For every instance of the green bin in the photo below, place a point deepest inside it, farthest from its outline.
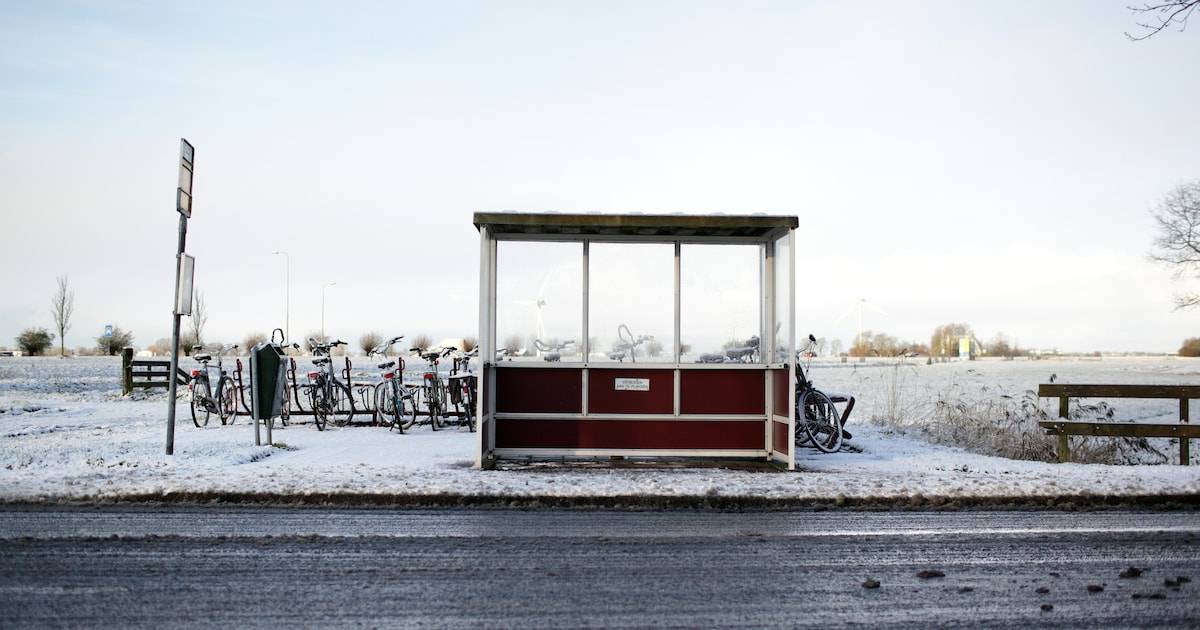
(268, 377)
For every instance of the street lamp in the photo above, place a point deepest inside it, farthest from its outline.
(287, 298)
(327, 284)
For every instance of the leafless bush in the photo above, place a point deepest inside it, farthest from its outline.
(421, 341)
(369, 341)
(253, 339)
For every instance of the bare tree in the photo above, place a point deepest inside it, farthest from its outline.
(944, 342)
(1167, 13)
(1177, 242)
(198, 319)
(62, 307)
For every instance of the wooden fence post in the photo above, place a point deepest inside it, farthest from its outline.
(126, 371)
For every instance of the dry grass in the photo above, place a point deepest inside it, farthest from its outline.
(986, 419)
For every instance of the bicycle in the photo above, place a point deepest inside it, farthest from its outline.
(552, 352)
(394, 404)
(204, 402)
(627, 344)
(744, 352)
(817, 420)
(331, 399)
(434, 388)
(464, 387)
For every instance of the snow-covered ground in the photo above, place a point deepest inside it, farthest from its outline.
(69, 435)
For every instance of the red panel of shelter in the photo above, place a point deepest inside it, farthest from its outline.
(780, 379)
(539, 390)
(779, 437)
(631, 391)
(630, 434)
(722, 392)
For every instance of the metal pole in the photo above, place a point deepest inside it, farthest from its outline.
(327, 284)
(287, 298)
(173, 387)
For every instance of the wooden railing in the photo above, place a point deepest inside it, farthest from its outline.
(142, 373)
(1183, 431)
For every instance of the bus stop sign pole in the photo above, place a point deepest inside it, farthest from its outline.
(183, 264)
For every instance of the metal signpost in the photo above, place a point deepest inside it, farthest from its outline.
(184, 268)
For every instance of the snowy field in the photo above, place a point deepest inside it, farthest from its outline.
(69, 435)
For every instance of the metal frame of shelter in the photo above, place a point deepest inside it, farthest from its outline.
(587, 408)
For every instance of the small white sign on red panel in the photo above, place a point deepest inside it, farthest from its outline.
(632, 384)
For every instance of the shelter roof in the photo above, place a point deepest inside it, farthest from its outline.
(650, 226)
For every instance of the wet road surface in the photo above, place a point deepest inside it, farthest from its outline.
(247, 567)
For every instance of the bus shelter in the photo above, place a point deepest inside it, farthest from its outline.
(636, 335)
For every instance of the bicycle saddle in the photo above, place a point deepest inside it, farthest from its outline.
(204, 358)
(320, 360)
(385, 365)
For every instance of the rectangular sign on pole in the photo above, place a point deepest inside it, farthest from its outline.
(183, 297)
(183, 201)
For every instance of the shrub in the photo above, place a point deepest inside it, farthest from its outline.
(34, 341)
(114, 344)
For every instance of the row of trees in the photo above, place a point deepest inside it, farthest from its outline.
(36, 340)
(944, 342)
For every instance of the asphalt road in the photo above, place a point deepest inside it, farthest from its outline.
(222, 567)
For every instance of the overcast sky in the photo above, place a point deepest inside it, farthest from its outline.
(990, 163)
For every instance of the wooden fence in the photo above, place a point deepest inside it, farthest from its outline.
(142, 373)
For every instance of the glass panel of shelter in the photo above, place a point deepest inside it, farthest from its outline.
(784, 304)
(630, 296)
(539, 301)
(720, 302)
(631, 302)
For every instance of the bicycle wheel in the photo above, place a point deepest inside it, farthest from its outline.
(821, 422)
(406, 408)
(200, 393)
(285, 409)
(226, 400)
(320, 405)
(342, 405)
(469, 395)
(437, 404)
(802, 438)
(385, 404)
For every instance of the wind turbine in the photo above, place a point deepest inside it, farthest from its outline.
(859, 304)
(537, 304)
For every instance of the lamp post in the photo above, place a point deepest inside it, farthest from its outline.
(327, 284)
(287, 298)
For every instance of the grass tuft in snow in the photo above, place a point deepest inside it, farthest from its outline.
(983, 418)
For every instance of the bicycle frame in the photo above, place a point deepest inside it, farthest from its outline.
(205, 395)
(464, 386)
(434, 386)
(392, 384)
(628, 344)
(322, 384)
